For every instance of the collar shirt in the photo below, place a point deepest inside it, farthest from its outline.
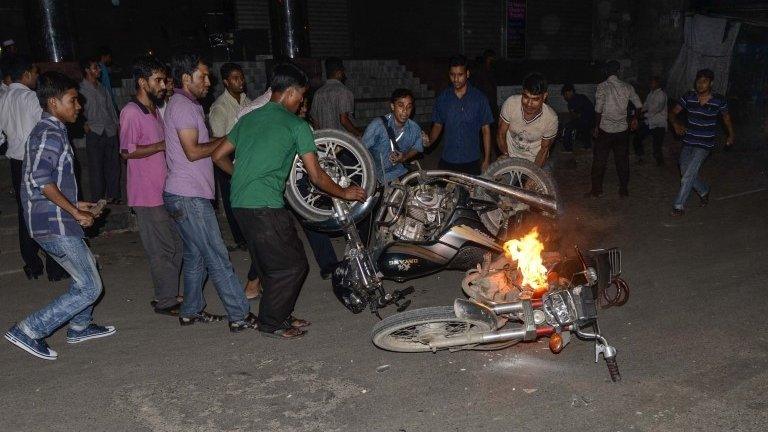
(331, 101)
(19, 113)
(462, 118)
(656, 109)
(223, 114)
(524, 137)
(145, 181)
(611, 100)
(99, 110)
(259, 102)
(48, 160)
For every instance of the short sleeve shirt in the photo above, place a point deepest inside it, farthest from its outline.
(186, 178)
(524, 137)
(611, 100)
(702, 119)
(331, 101)
(462, 120)
(266, 141)
(146, 176)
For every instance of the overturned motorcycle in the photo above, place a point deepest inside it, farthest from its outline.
(429, 221)
(519, 297)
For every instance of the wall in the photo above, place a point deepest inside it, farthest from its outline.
(559, 29)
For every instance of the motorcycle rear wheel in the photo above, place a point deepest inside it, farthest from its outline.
(513, 172)
(411, 331)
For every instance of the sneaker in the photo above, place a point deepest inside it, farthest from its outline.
(704, 200)
(93, 331)
(677, 212)
(250, 322)
(200, 317)
(37, 347)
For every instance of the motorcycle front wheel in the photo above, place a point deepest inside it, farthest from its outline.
(340, 155)
(411, 331)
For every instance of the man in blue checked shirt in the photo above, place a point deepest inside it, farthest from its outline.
(394, 139)
(55, 219)
(703, 108)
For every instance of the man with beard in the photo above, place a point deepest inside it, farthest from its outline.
(463, 112)
(703, 108)
(142, 144)
(188, 193)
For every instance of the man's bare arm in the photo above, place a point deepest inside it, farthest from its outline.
(543, 154)
(348, 125)
(144, 151)
(52, 192)
(501, 136)
(434, 133)
(221, 158)
(728, 122)
(194, 150)
(486, 131)
(672, 116)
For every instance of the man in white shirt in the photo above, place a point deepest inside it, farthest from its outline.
(655, 122)
(221, 118)
(611, 129)
(527, 125)
(19, 113)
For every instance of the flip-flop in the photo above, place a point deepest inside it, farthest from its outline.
(285, 334)
(298, 322)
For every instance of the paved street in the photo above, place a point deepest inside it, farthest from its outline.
(691, 340)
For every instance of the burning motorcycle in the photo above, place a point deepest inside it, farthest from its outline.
(429, 221)
(522, 296)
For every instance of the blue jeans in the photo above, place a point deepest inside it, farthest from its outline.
(691, 159)
(205, 253)
(76, 305)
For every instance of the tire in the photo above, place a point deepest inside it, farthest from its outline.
(364, 175)
(512, 171)
(383, 331)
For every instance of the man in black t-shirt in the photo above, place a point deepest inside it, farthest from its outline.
(582, 112)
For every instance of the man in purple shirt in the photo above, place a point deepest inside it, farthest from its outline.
(189, 189)
(142, 144)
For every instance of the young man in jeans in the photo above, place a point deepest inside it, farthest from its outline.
(55, 220)
(265, 142)
(703, 107)
(188, 193)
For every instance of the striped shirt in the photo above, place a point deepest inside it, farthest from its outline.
(702, 119)
(48, 160)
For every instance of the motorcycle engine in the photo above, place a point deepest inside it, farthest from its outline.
(424, 212)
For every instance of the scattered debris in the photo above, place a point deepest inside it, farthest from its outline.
(578, 401)
(529, 391)
(383, 368)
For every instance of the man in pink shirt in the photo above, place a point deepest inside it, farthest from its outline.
(142, 143)
(188, 193)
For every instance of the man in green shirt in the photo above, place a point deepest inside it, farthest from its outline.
(265, 142)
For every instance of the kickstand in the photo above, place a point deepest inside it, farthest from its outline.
(399, 295)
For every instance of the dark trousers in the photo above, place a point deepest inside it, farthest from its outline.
(604, 143)
(28, 247)
(103, 165)
(658, 139)
(472, 168)
(164, 249)
(573, 130)
(322, 249)
(225, 185)
(279, 259)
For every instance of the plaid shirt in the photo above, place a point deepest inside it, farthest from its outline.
(48, 159)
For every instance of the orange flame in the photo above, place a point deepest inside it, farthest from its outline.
(526, 252)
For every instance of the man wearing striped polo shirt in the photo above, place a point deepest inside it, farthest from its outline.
(702, 108)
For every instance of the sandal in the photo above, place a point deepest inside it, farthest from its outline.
(298, 322)
(291, 333)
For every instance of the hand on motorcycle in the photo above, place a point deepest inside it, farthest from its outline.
(354, 193)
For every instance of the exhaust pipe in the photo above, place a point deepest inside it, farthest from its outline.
(534, 199)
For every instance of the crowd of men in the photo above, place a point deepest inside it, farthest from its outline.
(176, 154)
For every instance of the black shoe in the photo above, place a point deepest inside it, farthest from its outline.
(172, 310)
(200, 317)
(250, 322)
(32, 274)
(641, 161)
(704, 199)
(624, 193)
(660, 162)
(677, 212)
(591, 194)
(327, 271)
